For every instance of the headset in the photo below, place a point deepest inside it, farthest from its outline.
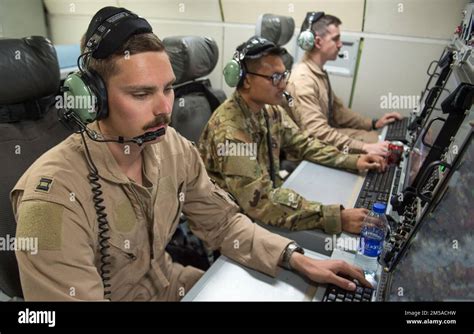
(234, 75)
(306, 37)
(235, 70)
(108, 30)
(117, 24)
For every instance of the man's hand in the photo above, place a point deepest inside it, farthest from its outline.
(387, 119)
(380, 148)
(351, 219)
(325, 271)
(370, 161)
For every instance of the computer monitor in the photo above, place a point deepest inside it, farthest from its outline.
(438, 264)
(435, 84)
(433, 126)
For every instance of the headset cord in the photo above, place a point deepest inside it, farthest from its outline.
(270, 148)
(81, 62)
(101, 218)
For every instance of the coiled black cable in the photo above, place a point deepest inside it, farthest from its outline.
(83, 60)
(101, 219)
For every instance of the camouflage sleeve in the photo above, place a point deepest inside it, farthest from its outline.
(251, 186)
(299, 144)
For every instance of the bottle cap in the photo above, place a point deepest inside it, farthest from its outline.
(379, 208)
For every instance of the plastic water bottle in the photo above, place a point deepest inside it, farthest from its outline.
(372, 238)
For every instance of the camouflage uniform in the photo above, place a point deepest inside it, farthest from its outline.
(247, 178)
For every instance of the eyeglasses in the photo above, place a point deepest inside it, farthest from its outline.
(276, 78)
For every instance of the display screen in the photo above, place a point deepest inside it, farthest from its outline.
(420, 151)
(439, 264)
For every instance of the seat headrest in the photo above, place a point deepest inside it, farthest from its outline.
(29, 69)
(192, 57)
(276, 28)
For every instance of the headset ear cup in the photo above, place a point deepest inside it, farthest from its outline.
(79, 98)
(233, 73)
(99, 90)
(306, 40)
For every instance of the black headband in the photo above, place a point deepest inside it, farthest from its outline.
(311, 18)
(110, 28)
(256, 47)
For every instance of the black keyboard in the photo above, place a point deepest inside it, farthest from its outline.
(376, 187)
(337, 294)
(397, 131)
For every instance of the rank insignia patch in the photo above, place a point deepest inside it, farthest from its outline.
(44, 184)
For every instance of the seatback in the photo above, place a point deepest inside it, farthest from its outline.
(192, 58)
(29, 81)
(278, 29)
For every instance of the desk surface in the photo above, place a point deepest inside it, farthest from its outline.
(324, 184)
(228, 281)
(327, 185)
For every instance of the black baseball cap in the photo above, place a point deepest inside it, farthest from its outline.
(110, 28)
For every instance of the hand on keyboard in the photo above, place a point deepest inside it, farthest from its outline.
(380, 148)
(371, 162)
(351, 219)
(336, 294)
(328, 271)
(354, 276)
(387, 119)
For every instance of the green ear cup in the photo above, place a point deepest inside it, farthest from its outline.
(232, 73)
(306, 40)
(79, 98)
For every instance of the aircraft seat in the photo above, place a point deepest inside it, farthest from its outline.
(29, 126)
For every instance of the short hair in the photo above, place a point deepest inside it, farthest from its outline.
(135, 44)
(320, 27)
(254, 64)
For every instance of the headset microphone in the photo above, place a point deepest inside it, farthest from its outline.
(74, 123)
(341, 55)
(148, 136)
(288, 97)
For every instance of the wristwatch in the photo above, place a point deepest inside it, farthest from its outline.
(292, 247)
(374, 121)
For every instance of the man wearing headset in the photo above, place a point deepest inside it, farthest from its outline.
(235, 146)
(103, 204)
(319, 110)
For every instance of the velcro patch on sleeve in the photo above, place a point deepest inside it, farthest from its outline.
(241, 166)
(285, 197)
(43, 221)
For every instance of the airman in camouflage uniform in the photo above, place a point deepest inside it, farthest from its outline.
(226, 149)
